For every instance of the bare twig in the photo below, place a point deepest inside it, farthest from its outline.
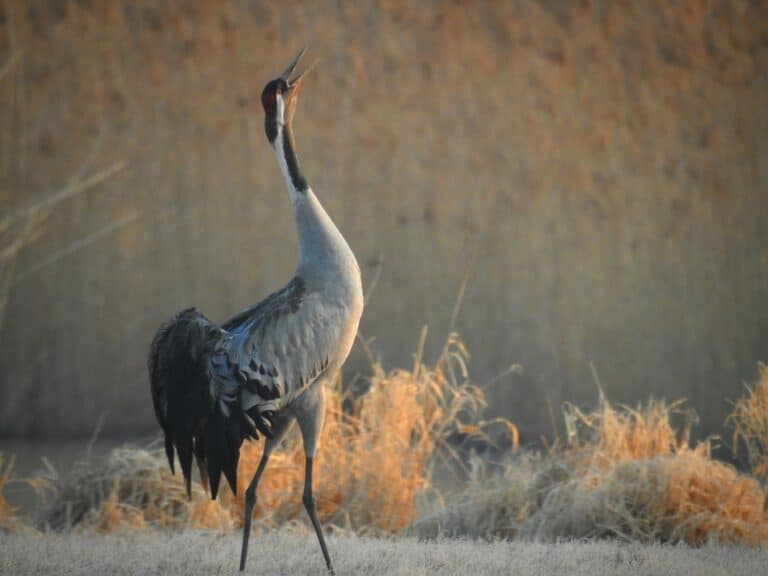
(96, 431)
(77, 245)
(459, 301)
(67, 192)
(375, 280)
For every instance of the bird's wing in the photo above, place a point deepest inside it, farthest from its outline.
(213, 386)
(289, 338)
(285, 300)
(196, 387)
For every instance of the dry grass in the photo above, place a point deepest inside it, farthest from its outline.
(374, 462)
(130, 489)
(750, 425)
(624, 473)
(620, 472)
(376, 458)
(7, 519)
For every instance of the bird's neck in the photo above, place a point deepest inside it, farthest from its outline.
(285, 148)
(323, 251)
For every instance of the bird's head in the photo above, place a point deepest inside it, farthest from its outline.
(279, 98)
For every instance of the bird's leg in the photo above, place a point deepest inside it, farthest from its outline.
(279, 428)
(250, 502)
(310, 413)
(309, 504)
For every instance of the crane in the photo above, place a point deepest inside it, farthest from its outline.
(264, 369)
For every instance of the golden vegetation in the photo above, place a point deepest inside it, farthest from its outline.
(611, 435)
(130, 489)
(676, 492)
(374, 461)
(378, 457)
(620, 472)
(750, 425)
(624, 473)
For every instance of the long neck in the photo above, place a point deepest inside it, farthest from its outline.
(289, 162)
(322, 249)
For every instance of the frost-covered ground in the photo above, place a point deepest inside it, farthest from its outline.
(287, 552)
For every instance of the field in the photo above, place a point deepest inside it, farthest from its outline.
(292, 552)
(587, 176)
(624, 491)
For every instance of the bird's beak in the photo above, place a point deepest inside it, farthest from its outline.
(296, 81)
(288, 71)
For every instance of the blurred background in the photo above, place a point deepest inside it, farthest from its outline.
(596, 170)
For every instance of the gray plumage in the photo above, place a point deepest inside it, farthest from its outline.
(265, 368)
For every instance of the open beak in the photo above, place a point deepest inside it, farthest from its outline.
(296, 80)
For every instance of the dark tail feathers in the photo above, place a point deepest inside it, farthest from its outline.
(193, 425)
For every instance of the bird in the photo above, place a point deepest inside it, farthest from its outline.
(215, 386)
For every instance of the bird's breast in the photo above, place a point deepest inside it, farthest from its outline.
(347, 300)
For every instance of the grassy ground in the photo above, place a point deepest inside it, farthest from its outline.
(288, 552)
(601, 500)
